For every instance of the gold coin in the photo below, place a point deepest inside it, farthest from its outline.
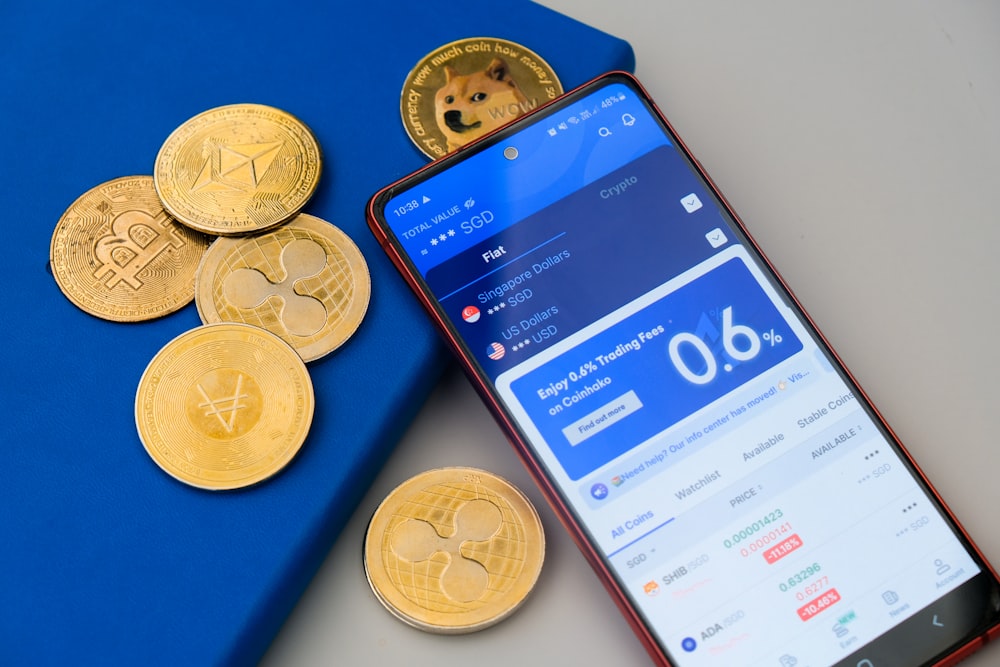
(237, 169)
(464, 89)
(305, 281)
(116, 254)
(224, 406)
(454, 550)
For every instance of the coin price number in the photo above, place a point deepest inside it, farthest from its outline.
(813, 588)
(798, 577)
(755, 527)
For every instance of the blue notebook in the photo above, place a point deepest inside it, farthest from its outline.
(105, 559)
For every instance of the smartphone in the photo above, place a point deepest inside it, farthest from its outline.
(733, 487)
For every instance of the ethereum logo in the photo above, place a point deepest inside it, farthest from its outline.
(240, 166)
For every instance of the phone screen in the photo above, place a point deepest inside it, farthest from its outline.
(749, 504)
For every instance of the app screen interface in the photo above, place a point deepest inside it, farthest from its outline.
(742, 496)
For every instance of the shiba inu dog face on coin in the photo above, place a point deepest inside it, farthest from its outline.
(468, 106)
(465, 89)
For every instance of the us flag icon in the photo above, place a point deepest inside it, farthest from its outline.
(495, 351)
(470, 314)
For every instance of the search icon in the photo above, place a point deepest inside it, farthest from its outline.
(604, 132)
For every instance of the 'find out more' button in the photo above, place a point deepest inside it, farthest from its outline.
(603, 417)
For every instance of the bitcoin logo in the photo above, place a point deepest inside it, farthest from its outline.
(302, 315)
(132, 245)
(117, 254)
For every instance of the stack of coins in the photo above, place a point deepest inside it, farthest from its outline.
(228, 404)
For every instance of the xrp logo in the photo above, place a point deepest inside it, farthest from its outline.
(463, 579)
(302, 315)
(453, 550)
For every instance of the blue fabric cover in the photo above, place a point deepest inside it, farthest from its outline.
(105, 559)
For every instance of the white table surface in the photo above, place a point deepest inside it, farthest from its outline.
(860, 142)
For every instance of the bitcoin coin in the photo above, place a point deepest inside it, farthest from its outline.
(224, 406)
(116, 254)
(465, 89)
(237, 169)
(453, 550)
(306, 281)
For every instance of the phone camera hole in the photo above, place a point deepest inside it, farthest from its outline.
(510, 153)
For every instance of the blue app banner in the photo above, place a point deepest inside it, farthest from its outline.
(655, 367)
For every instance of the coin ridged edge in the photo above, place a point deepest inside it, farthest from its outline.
(205, 224)
(427, 57)
(209, 313)
(293, 359)
(534, 543)
(94, 306)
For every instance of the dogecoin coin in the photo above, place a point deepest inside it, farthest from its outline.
(224, 406)
(116, 254)
(306, 281)
(465, 89)
(454, 550)
(237, 169)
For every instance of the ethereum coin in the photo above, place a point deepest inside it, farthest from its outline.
(454, 550)
(224, 406)
(305, 281)
(465, 89)
(237, 169)
(116, 254)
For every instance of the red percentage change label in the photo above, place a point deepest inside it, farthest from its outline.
(813, 607)
(779, 551)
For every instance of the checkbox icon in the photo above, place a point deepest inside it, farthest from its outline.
(716, 237)
(691, 203)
